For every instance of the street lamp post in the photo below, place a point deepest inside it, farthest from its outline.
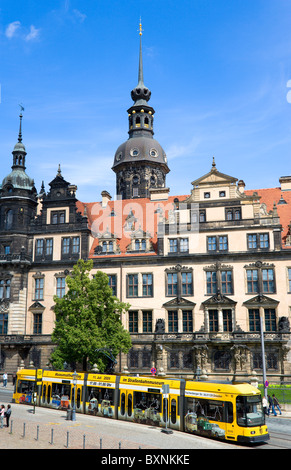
(74, 401)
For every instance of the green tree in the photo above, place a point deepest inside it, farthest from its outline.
(88, 320)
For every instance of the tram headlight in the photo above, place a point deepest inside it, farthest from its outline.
(253, 432)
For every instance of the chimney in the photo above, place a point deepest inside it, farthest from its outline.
(285, 182)
(105, 198)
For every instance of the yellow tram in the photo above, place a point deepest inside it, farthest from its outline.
(229, 411)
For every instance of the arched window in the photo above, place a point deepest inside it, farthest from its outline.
(8, 222)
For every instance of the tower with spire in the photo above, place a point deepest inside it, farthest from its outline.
(18, 195)
(140, 163)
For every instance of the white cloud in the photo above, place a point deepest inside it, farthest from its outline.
(80, 16)
(12, 28)
(33, 33)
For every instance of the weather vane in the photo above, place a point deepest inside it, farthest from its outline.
(21, 108)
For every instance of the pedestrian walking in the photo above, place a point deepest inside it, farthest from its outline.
(276, 403)
(4, 379)
(7, 415)
(271, 406)
(2, 413)
(265, 405)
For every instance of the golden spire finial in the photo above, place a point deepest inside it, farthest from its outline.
(140, 28)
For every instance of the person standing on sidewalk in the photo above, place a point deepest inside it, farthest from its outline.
(271, 406)
(4, 379)
(2, 414)
(276, 403)
(7, 415)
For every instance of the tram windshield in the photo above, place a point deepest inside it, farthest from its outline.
(249, 411)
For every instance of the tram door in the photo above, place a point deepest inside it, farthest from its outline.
(126, 404)
(77, 396)
(170, 410)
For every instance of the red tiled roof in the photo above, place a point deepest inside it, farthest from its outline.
(271, 196)
(101, 219)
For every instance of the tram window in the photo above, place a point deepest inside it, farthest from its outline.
(249, 411)
(49, 394)
(122, 406)
(211, 409)
(229, 411)
(165, 409)
(59, 389)
(129, 405)
(99, 394)
(146, 400)
(173, 411)
(78, 398)
(43, 392)
(25, 386)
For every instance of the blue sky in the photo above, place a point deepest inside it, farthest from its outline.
(219, 73)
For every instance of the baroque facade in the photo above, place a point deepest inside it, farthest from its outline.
(203, 272)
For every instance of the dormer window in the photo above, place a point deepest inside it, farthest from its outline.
(58, 217)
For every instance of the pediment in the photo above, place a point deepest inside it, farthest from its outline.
(214, 177)
(219, 299)
(261, 300)
(36, 306)
(179, 302)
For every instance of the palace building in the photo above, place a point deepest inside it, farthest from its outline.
(202, 271)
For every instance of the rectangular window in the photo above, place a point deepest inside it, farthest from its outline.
(213, 320)
(184, 245)
(223, 243)
(211, 282)
(254, 319)
(187, 321)
(227, 320)
(173, 321)
(289, 280)
(147, 321)
(252, 281)
(264, 240)
(7, 250)
(132, 286)
(270, 319)
(173, 245)
(37, 323)
(49, 247)
(112, 282)
(147, 285)
(61, 287)
(39, 247)
(187, 285)
(58, 217)
(38, 292)
(133, 321)
(172, 285)
(211, 243)
(252, 241)
(76, 245)
(5, 288)
(3, 323)
(226, 282)
(268, 281)
(66, 246)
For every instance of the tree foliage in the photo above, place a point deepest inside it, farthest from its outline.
(88, 319)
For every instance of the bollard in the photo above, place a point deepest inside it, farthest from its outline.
(52, 437)
(37, 432)
(11, 422)
(68, 439)
(23, 430)
(119, 445)
(84, 437)
(100, 443)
